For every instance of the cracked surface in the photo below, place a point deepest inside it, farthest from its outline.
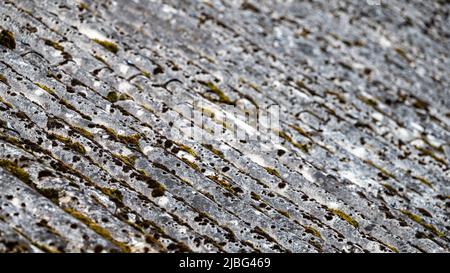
(91, 100)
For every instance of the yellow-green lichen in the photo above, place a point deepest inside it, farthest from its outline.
(158, 188)
(402, 54)
(381, 169)
(255, 196)
(111, 132)
(73, 108)
(264, 234)
(207, 112)
(214, 150)
(145, 73)
(53, 44)
(284, 213)
(76, 146)
(313, 231)
(97, 229)
(419, 220)
(114, 194)
(345, 217)
(161, 166)
(191, 164)
(115, 97)
(420, 104)
(187, 149)
(45, 88)
(389, 189)
(100, 59)
(62, 101)
(158, 192)
(84, 6)
(316, 245)
(302, 147)
(301, 84)
(9, 105)
(69, 144)
(50, 193)
(112, 97)
(130, 139)
(430, 153)
(273, 171)
(300, 131)
(214, 89)
(83, 132)
(423, 181)
(225, 124)
(337, 95)
(110, 46)
(369, 101)
(129, 160)
(17, 171)
(392, 248)
(125, 96)
(250, 84)
(11, 140)
(224, 184)
(207, 57)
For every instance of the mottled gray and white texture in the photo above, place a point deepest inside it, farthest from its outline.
(90, 95)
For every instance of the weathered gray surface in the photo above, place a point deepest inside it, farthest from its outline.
(364, 93)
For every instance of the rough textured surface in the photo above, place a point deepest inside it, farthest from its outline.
(89, 161)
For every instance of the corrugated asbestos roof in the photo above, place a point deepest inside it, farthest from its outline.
(95, 97)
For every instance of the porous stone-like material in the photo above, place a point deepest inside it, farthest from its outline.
(95, 150)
